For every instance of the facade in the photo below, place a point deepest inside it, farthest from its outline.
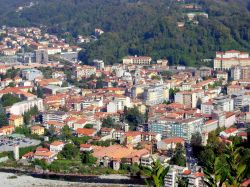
(16, 120)
(177, 128)
(240, 72)
(169, 143)
(37, 130)
(137, 60)
(84, 71)
(118, 104)
(187, 98)
(31, 74)
(155, 94)
(41, 56)
(56, 146)
(24, 106)
(226, 60)
(58, 116)
(99, 64)
(223, 103)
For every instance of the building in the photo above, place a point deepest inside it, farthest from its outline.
(24, 106)
(136, 60)
(56, 146)
(84, 71)
(187, 98)
(118, 104)
(99, 64)
(226, 60)
(16, 120)
(31, 74)
(222, 75)
(169, 143)
(223, 103)
(58, 116)
(204, 72)
(155, 94)
(41, 56)
(183, 128)
(113, 156)
(240, 72)
(86, 132)
(6, 130)
(37, 130)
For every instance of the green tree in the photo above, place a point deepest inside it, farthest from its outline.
(9, 100)
(88, 158)
(70, 151)
(178, 157)
(156, 173)
(66, 132)
(3, 117)
(108, 122)
(134, 117)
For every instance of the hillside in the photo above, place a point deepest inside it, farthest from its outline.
(144, 27)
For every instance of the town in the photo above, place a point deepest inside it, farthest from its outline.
(60, 115)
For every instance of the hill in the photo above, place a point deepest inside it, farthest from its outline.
(144, 27)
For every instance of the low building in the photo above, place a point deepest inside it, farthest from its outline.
(16, 120)
(169, 143)
(56, 146)
(37, 130)
(86, 132)
(7, 130)
(136, 60)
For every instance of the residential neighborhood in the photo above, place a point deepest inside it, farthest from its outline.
(120, 117)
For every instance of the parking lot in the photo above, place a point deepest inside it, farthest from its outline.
(7, 143)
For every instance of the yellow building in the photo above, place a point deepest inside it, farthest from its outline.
(16, 120)
(37, 130)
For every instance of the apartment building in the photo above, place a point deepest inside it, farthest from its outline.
(155, 94)
(99, 64)
(240, 72)
(58, 116)
(137, 60)
(118, 103)
(84, 71)
(24, 106)
(226, 60)
(223, 103)
(187, 98)
(183, 128)
(31, 74)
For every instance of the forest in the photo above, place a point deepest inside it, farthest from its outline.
(140, 27)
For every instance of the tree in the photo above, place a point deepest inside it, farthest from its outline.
(66, 132)
(3, 117)
(183, 182)
(88, 158)
(134, 117)
(230, 168)
(156, 173)
(196, 143)
(108, 122)
(178, 157)
(70, 152)
(89, 126)
(9, 100)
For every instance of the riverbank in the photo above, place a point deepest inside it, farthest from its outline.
(16, 180)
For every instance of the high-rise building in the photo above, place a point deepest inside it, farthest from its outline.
(155, 94)
(41, 56)
(240, 72)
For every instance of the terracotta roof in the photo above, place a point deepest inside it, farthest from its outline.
(186, 172)
(173, 140)
(199, 174)
(85, 131)
(85, 145)
(230, 130)
(57, 143)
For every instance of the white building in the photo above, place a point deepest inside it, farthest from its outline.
(24, 106)
(118, 104)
